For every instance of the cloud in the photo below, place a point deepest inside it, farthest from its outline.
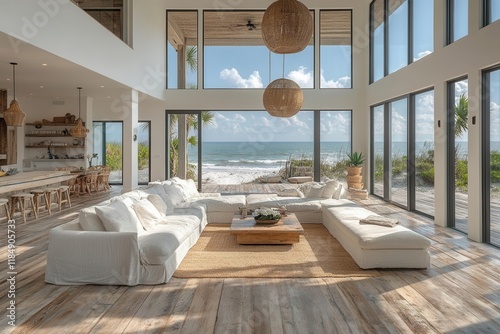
(303, 78)
(494, 106)
(232, 75)
(422, 54)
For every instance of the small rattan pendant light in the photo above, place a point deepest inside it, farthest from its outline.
(14, 116)
(287, 26)
(79, 130)
(282, 97)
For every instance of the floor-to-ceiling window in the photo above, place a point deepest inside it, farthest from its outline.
(378, 150)
(399, 151)
(108, 145)
(424, 152)
(458, 151)
(402, 145)
(458, 19)
(144, 151)
(491, 159)
(183, 143)
(335, 143)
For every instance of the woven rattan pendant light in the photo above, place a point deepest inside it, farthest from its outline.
(14, 116)
(283, 98)
(287, 26)
(79, 130)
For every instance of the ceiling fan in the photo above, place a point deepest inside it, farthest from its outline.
(250, 26)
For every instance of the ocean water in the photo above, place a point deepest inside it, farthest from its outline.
(271, 156)
(263, 156)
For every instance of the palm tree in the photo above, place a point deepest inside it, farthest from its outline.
(461, 115)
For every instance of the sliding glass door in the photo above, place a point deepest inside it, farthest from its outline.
(491, 153)
(184, 145)
(402, 146)
(144, 151)
(458, 151)
(108, 145)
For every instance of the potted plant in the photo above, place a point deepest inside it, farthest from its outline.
(354, 170)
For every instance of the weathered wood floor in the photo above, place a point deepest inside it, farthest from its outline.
(460, 293)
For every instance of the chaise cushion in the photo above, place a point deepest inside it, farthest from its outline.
(229, 203)
(373, 236)
(293, 204)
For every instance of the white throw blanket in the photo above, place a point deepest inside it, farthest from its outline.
(379, 220)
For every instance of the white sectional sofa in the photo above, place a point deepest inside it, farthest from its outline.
(142, 236)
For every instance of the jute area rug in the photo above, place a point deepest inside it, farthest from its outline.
(318, 254)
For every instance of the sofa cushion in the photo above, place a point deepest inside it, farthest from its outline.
(158, 244)
(188, 187)
(159, 189)
(89, 220)
(229, 203)
(118, 216)
(175, 193)
(373, 236)
(330, 188)
(316, 191)
(292, 204)
(147, 213)
(159, 204)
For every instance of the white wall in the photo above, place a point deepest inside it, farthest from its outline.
(60, 27)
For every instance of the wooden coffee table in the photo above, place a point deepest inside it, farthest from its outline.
(285, 232)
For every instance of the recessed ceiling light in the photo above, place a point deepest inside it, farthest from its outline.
(41, 86)
(102, 86)
(44, 64)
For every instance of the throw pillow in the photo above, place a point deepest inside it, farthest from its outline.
(147, 213)
(119, 217)
(89, 220)
(330, 188)
(340, 192)
(175, 193)
(160, 191)
(316, 191)
(158, 203)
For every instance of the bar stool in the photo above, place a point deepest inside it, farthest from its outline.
(37, 196)
(64, 196)
(4, 202)
(20, 199)
(50, 194)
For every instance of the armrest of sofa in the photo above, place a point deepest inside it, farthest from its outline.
(92, 257)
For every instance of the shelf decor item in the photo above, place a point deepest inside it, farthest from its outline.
(14, 116)
(79, 131)
(266, 216)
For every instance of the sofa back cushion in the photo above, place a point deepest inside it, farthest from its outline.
(159, 189)
(119, 216)
(89, 220)
(175, 193)
(316, 191)
(159, 204)
(147, 213)
(187, 186)
(330, 188)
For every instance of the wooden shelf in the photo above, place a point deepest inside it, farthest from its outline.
(35, 160)
(53, 124)
(30, 135)
(54, 146)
